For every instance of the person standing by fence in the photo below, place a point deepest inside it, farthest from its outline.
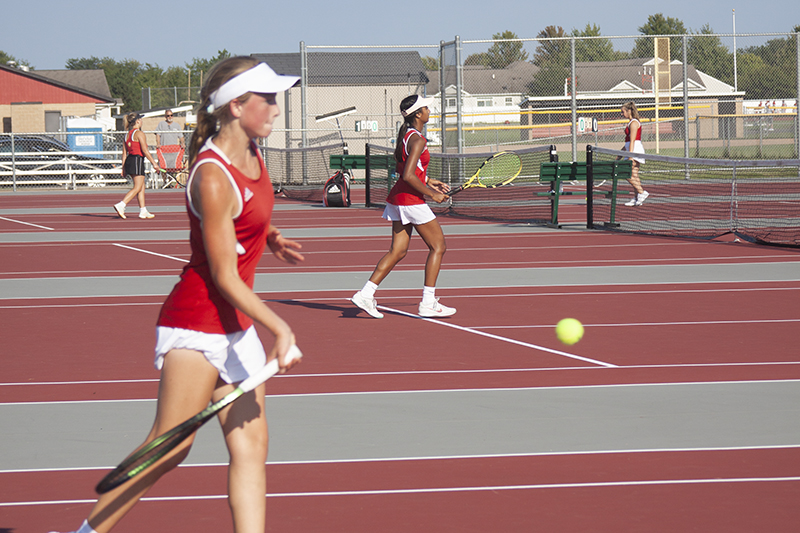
(169, 133)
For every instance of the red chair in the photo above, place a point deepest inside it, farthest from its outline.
(170, 159)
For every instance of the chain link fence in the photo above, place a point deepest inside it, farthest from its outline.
(74, 160)
(699, 95)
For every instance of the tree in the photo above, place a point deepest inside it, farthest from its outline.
(707, 53)
(127, 78)
(431, 63)
(553, 57)
(507, 49)
(594, 49)
(658, 24)
(769, 70)
(552, 49)
(5, 58)
(480, 59)
(200, 66)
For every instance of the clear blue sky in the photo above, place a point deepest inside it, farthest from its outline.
(172, 32)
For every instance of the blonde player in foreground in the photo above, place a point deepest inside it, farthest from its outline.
(206, 341)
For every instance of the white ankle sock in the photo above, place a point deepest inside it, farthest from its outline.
(428, 295)
(86, 528)
(369, 290)
(121, 205)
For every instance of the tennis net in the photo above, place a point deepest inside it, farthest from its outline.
(300, 173)
(516, 202)
(758, 201)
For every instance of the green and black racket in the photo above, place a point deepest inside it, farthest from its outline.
(146, 456)
(498, 170)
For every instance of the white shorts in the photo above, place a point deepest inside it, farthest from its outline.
(417, 215)
(638, 148)
(236, 355)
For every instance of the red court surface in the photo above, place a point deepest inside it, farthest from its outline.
(637, 334)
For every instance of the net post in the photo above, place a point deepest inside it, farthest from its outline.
(367, 175)
(589, 188)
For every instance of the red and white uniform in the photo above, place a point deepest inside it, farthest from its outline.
(195, 303)
(132, 146)
(402, 193)
(637, 147)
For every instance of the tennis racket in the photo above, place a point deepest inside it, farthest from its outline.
(146, 456)
(498, 170)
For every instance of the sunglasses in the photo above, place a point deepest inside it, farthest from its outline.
(168, 116)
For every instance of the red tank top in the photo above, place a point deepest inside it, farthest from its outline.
(402, 193)
(133, 147)
(628, 131)
(195, 303)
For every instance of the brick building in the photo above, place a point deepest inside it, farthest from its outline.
(36, 101)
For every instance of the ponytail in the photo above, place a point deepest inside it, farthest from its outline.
(401, 135)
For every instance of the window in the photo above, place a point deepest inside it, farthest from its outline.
(509, 100)
(451, 102)
(484, 102)
(6, 124)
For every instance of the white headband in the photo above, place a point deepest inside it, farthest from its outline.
(259, 79)
(419, 104)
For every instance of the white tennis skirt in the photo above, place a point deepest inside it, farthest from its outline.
(409, 214)
(236, 355)
(638, 148)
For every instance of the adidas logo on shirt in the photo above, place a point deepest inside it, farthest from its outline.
(247, 194)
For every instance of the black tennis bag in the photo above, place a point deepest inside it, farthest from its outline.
(337, 190)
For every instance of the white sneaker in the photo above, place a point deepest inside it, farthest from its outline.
(120, 209)
(642, 197)
(146, 214)
(632, 202)
(370, 306)
(435, 310)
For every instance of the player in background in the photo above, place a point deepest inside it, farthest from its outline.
(407, 210)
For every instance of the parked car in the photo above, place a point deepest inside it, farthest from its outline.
(39, 160)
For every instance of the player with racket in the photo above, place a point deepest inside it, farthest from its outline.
(206, 340)
(134, 152)
(407, 210)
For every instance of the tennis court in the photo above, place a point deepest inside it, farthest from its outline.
(676, 412)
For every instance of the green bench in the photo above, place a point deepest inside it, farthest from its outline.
(556, 173)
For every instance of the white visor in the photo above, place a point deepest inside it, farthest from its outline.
(419, 104)
(259, 79)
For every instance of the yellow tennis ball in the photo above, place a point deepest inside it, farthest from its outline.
(569, 330)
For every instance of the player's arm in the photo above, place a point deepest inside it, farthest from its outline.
(416, 145)
(142, 138)
(215, 200)
(124, 157)
(283, 248)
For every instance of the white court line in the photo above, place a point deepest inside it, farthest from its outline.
(504, 339)
(26, 223)
(434, 490)
(428, 458)
(425, 373)
(631, 324)
(149, 252)
(441, 391)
